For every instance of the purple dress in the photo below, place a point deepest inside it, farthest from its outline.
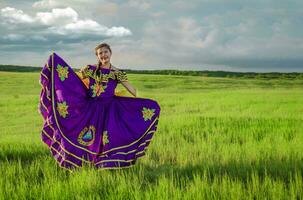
(88, 124)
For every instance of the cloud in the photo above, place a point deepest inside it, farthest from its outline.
(60, 24)
(139, 4)
(182, 5)
(213, 41)
(12, 37)
(242, 35)
(108, 8)
(46, 4)
(56, 16)
(15, 16)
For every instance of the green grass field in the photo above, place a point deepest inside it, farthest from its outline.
(217, 138)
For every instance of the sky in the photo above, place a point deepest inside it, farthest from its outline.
(229, 35)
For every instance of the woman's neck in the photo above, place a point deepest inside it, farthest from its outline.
(106, 66)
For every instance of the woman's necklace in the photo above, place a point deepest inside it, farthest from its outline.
(99, 88)
(101, 75)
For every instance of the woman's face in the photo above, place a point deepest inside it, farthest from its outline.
(104, 55)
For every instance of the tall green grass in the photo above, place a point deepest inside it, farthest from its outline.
(217, 138)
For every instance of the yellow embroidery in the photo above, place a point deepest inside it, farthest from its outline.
(87, 135)
(148, 113)
(62, 109)
(62, 72)
(89, 72)
(118, 75)
(98, 89)
(104, 77)
(121, 76)
(105, 138)
(85, 80)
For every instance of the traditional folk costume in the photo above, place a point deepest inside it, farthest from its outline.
(86, 122)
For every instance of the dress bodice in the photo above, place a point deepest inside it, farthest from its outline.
(102, 82)
(102, 88)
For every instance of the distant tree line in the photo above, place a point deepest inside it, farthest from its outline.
(205, 73)
(16, 68)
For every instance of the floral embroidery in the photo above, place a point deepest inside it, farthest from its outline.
(105, 77)
(118, 75)
(105, 138)
(62, 109)
(98, 89)
(85, 72)
(121, 76)
(148, 113)
(87, 135)
(62, 72)
(89, 72)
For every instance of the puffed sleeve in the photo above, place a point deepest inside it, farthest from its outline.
(83, 71)
(121, 76)
(82, 74)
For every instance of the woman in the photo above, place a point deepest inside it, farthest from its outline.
(85, 122)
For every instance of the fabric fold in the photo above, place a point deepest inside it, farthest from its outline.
(87, 123)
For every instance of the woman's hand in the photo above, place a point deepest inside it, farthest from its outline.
(129, 87)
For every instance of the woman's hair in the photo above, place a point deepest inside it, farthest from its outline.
(102, 45)
(99, 47)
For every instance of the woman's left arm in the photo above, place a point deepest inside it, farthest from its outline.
(129, 87)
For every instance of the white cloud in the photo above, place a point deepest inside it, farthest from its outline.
(84, 25)
(91, 27)
(46, 4)
(15, 16)
(118, 31)
(57, 16)
(62, 21)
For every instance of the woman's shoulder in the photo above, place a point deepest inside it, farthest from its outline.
(88, 66)
(115, 68)
(87, 70)
(120, 74)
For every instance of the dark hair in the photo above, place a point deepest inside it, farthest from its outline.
(99, 47)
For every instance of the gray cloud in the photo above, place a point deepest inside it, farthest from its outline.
(60, 25)
(203, 34)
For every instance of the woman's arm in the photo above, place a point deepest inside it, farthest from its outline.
(122, 78)
(129, 87)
